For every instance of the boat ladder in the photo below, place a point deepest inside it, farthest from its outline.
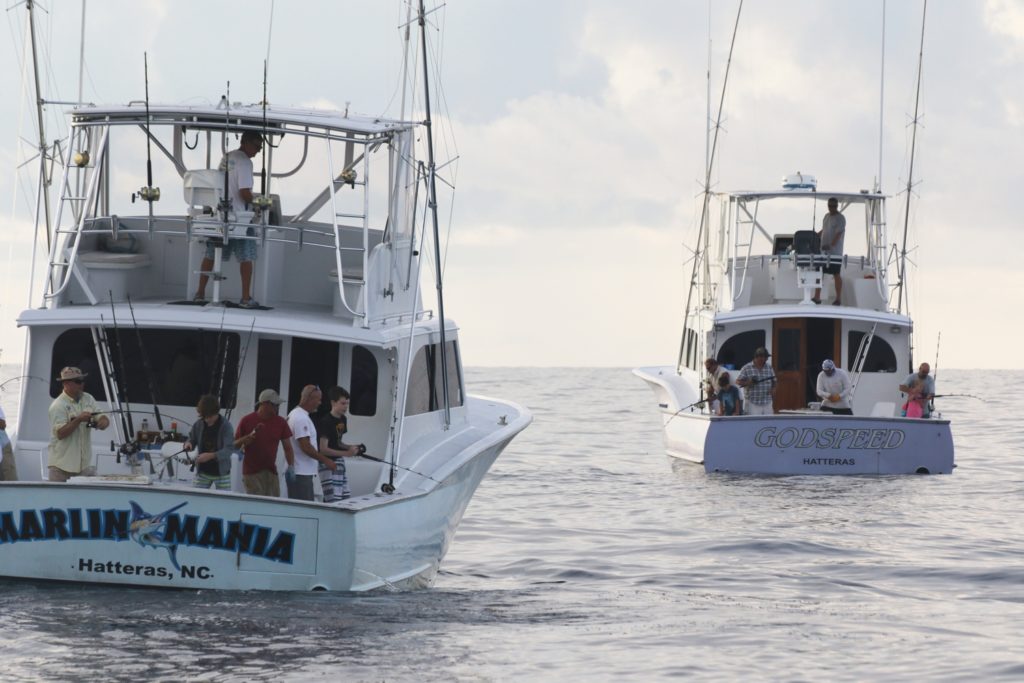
(861, 358)
(348, 176)
(80, 202)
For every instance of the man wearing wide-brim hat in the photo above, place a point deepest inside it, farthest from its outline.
(71, 415)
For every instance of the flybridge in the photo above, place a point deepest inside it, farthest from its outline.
(313, 210)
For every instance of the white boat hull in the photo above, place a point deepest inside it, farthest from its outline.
(84, 532)
(827, 444)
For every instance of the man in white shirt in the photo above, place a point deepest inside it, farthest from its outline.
(834, 389)
(8, 470)
(238, 164)
(305, 445)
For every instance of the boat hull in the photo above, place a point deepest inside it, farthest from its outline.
(805, 442)
(111, 533)
(828, 444)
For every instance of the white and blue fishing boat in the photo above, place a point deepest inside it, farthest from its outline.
(345, 218)
(757, 269)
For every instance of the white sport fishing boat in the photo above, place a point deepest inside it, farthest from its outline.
(755, 288)
(757, 271)
(346, 203)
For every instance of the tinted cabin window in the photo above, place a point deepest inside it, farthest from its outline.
(426, 393)
(313, 361)
(173, 367)
(881, 357)
(268, 367)
(738, 350)
(363, 385)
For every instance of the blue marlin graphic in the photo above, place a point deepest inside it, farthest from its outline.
(148, 530)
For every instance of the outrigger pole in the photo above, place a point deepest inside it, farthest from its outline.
(707, 189)
(43, 182)
(432, 204)
(901, 293)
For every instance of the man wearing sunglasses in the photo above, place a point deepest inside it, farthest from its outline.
(71, 416)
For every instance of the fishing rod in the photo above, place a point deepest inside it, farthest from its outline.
(225, 201)
(362, 454)
(263, 178)
(121, 389)
(241, 365)
(14, 379)
(217, 376)
(148, 193)
(146, 366)
(958, 396)
(108, 373)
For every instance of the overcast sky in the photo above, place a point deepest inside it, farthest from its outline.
(580, 130)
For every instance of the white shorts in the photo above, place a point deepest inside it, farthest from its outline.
(750, 408)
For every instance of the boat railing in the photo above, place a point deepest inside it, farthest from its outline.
(80, 222)
(776, 278)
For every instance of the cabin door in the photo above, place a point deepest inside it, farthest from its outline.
(789, 360)
(799, 345)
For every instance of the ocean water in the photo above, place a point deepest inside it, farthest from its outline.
(588, 555)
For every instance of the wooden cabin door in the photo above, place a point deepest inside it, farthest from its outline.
(789, 359)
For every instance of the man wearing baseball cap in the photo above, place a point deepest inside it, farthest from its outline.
(758, 381)
(71, 416)
(834, 389)
(258, 435)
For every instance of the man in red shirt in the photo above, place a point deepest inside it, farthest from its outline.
(258, 434)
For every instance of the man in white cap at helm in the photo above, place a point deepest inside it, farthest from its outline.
(834, 389)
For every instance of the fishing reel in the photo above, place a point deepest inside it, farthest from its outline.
(129, 451)
(147, 194)
(361, 449)
(348, 176)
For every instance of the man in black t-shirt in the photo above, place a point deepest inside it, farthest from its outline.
(330, 430)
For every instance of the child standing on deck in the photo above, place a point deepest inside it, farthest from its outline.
(914, 406)
(330, 429)
(728, 397)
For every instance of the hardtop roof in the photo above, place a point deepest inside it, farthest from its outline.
(859, 197)
(238, 116)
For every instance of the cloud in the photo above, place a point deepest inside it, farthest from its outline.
(1005, 18)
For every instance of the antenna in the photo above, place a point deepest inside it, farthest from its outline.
(910, 174)
(881, 104)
